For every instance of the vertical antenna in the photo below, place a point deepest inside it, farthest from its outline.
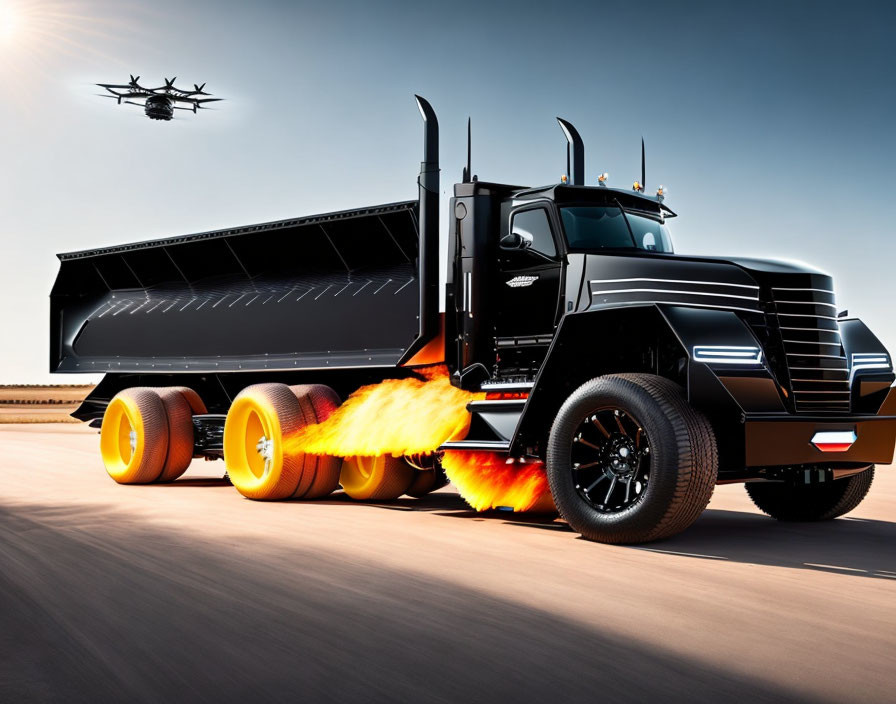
(643, 168)
(468, 169)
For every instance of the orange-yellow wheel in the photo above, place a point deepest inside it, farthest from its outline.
(179, 414)
(134, 436)
(321, 477)
(376, 478)
(197, 406)
(260, 419)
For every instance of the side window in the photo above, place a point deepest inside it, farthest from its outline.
(533, 225)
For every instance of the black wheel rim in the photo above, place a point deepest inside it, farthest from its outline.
(610, 460)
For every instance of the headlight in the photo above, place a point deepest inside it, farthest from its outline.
(726, 354)
(868, 360)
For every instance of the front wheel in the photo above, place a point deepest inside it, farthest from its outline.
(811, 502)
(629, 460)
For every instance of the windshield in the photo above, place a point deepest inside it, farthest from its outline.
(593, 227)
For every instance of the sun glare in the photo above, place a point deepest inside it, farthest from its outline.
(10, 21)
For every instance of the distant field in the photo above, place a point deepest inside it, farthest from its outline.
(40, 404)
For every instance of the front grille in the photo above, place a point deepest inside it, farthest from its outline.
(816, 362)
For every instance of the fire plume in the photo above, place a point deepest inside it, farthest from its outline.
(415, 416)
(489, 480)
(395, 417)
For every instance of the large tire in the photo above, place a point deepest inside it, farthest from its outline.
(260, 419)
(380, 478)
(811, 502)
(663, 449)
(179, 414)
(134, 436)
(318, 402)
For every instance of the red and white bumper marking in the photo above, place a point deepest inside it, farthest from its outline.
(834, 440)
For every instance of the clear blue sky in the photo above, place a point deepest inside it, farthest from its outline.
(771, 124)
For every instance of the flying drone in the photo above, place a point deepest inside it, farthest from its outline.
(158, 103)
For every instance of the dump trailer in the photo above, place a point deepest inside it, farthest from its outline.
(637, 378)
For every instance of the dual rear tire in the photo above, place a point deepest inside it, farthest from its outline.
(261, 422)
(264, 461)
(147, 434)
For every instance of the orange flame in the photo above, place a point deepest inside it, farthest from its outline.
(395, 417)
(412, 417)
(489, 480)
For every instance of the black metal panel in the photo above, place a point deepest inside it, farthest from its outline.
(327, 291)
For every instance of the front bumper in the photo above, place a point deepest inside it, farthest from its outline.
(787, 440)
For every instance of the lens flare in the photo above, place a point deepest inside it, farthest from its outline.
(488, 480)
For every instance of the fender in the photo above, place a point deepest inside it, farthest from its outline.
(652, 339)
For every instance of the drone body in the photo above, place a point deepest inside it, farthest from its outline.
(158, 103)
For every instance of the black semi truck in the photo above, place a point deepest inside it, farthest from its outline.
(641, 378)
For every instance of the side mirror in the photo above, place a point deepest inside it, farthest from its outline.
(516, 241)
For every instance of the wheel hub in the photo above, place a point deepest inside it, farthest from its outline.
(610, 457)
(265, 448)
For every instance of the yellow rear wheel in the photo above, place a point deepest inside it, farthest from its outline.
(260, 419)
(179, 414)
(134, 436)
(376, 478)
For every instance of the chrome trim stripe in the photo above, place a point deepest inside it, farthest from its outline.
(787, 288)
(475, 445)
(666, 290)
(824, 356)
(808, 303)
(505, 385)
(679, 303)
(807, 391)
(812, 342)
(673, 281)
(496, 403)
(820, 369)
(836, 332)
(808, 315)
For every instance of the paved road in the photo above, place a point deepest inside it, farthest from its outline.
(189, 592)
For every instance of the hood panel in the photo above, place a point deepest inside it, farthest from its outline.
(735, 283)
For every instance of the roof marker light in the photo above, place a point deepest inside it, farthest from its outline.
(638, 186)
(603, 178)
(834, 440)
(564, 179)
(727, 354)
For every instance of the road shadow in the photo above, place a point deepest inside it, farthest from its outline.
(851, 546)
(451, 505)
(141, 614)
(186, 482)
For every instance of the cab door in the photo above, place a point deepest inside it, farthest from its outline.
(528, 282)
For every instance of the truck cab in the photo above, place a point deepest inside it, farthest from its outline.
(520, 261)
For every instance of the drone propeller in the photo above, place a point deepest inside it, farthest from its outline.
(170, 84)
(134, 80)
(199, 88)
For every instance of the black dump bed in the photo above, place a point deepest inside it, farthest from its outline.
(335, 290)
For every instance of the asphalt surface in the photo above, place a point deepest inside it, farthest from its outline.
(188, 592)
